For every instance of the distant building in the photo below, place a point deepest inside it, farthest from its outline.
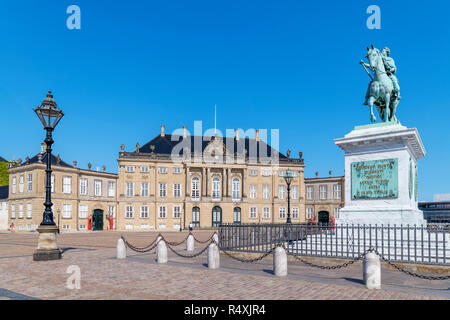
(436, 211)
(441, 197)
(324, 197)
(3, 208)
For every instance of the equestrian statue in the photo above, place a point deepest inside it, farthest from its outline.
(383, 90)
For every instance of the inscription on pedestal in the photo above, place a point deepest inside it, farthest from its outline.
(375, 179)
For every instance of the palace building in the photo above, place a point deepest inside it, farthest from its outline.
(173, 181)
(78, 195)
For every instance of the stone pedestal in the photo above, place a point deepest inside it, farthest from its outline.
(47, 248)
(381, 175)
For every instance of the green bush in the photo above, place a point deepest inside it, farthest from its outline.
(4, 177)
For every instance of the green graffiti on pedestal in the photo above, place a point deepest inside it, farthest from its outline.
(375, 179)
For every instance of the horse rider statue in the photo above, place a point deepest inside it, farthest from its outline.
(383, 90)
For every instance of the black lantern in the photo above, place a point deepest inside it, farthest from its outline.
(288, 177)
(49, 114)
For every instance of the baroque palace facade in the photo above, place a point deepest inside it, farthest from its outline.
(168, 183)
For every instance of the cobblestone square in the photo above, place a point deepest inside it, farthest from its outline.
(140, 277)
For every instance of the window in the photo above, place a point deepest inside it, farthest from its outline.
(130, 189)
(196, 216)
(144, 212)
(281, 173)
(67, 184)
(266, 191)
(129, 169)
(83, 187)
(237, 215)
(52, 182)
(162, 170)
(163, 190)
(111, 189)
(29, 210)
(82, 226)
(252, 191)
(295, 192)
(266, 213)
(145, 169)
(281, 192)
(236, 189)
(14, 181)
(323, 192)
(253, 213)
(216, 188)
(309, 192)
(253, 173)
(294, 173)
(177, 170)
(98, 188)
(13, 211)
(309, 213)
(176, 190)
(20, 211)
(129, 212)
(30, 182)
(21, 184)
(337, 191)
(66, 226)
(112, 211)
(265, 173)
(282, 213)
(144, 189)
(162, 212)
(195, 188)
(295, 213)
(67, 211)
(83, 211)
(177, 212)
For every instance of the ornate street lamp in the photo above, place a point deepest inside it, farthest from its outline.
(49, 114)
(288, 178)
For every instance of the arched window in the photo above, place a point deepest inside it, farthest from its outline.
(216, 188)
(236, 188)
(237, 215)
(195, 188)
(196, 216)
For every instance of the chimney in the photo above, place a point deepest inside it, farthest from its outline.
(89, 166)
(75, 163)
(184, 132)
(331, 173)
(43, 147)
(257, 135)
(317, 174)
(300, 154)
(162, 131)
(237, 134)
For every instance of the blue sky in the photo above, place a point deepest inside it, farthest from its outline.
(287, 65)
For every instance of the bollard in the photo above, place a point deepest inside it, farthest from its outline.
(216, 238)
(190, 243)
(372, 271)
(161, 252)
(280, 262)
(121, 249)
(213, 256)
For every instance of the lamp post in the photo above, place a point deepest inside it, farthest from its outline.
(49, 114)
(288, 178)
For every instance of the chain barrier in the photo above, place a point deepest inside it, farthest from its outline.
(247, 260)
(178, 243)
(188, 256)
(202, 242)
(421, 276)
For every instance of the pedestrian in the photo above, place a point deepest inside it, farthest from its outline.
(190, 226)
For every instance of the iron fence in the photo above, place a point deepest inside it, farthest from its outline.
(398, 243)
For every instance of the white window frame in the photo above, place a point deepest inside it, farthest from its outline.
(13, 184)
(67, 185)
(253, 191)
(13, 211)
(66, 211)
(195, 188)
(111, 188)
(83, 211)
(29, 210)
(21, 182)
(145, 169)
(20, 211)
(129, 168)
(162, 170)
(266, 213)
(30, 182)
(337, 190)
(336, 213)
(162, 212)
(112, 211)
(176, 170)
(98, 188)
(253, 173)
(253, 213)
(177, 190)
(162, 190)
(83, 186)
(236, 188)
(129, 186)
(295, 213)
(265, 173)
(144, 189)
(295, 192)
(282, 213)
(309, 192)
(281, 192)
(215, 186)
(266, 191)
(129, 212)
(176, 211)
(323, 192)
(309, 213)
(144, 212)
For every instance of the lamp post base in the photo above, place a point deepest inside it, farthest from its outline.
(47, 248)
